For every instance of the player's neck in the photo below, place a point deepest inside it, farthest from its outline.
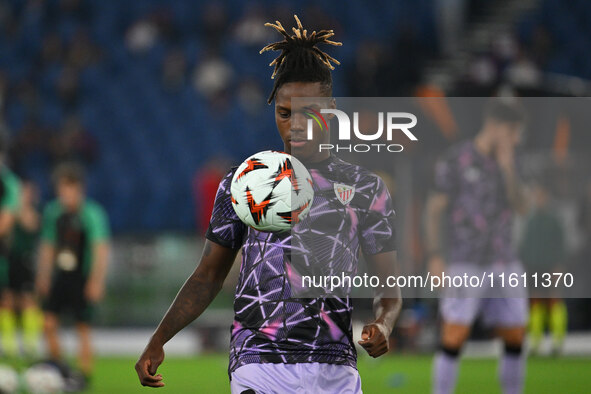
(316, 159)
(74, 208)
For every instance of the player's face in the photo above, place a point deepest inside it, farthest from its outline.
(70, 194)
(292, 122)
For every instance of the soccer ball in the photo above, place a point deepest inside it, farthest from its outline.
(272, 191)
(44, 379)
(8, 379)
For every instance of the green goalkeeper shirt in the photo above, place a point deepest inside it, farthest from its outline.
(74, 235)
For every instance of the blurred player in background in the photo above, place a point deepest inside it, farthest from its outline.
(280, 343)
(542, 250)
(9, 201)
(73, 259)
(478, 182)
(23, 246)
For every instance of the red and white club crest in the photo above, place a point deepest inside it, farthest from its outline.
(344, 193)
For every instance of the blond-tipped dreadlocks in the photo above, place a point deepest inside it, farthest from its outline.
(300, 60)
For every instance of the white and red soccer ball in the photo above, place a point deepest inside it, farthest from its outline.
(272, 191)
(9, 380)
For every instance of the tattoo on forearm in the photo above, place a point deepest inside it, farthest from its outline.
(207, 249)
(193, 298)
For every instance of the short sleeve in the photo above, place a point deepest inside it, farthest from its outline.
(98, 224)
(225, 228)
(49, 225)
(378, 233)
(445, 177)
(11, 198)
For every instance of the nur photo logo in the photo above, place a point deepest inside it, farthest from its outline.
(388, 123)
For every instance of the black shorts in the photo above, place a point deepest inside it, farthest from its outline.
(67, 298)
(21, 277)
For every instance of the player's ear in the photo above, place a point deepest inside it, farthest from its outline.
(332, 104)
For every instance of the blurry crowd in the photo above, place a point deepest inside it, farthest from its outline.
(546, 42)
(54, 52)
(507, 60)
(52, 48)
(45, 127)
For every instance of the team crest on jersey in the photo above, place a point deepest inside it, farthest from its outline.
(344, 193)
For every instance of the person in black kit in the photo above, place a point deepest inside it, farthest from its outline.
(73, 260)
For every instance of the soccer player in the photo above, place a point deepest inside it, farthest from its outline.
(9, 201)
(542, 250)
(21, 268)
(478, 182)
(73, 260)
(281, 343)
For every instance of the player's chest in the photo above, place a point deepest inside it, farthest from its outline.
(337, 206)
(481, 182)
(70, 230)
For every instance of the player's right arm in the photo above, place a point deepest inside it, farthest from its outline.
(224, 240)
(193, 298)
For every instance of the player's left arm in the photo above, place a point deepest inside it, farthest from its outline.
(514, 190)
(95, 288)
(513, 184)
(375, 335)
(377, 239)
(101, 250)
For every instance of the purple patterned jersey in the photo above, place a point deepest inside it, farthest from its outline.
(480, 216)
(351, 213)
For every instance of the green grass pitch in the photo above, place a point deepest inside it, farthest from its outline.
(394, 373)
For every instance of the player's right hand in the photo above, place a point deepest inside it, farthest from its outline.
(148, 364)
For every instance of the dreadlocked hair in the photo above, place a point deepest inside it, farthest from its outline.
(300, 60)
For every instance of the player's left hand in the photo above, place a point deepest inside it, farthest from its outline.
(94, 291)
(374, 339)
